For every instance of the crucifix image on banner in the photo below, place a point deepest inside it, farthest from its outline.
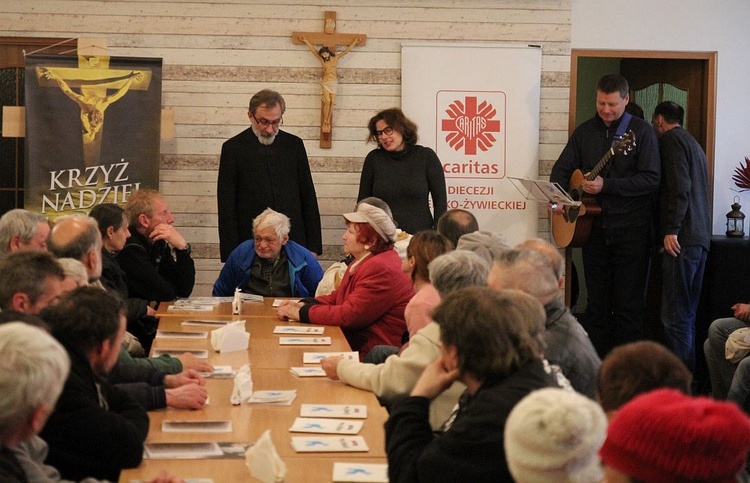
(92, 130)
(481, 117)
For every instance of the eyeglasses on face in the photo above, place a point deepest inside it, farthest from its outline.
(268, 240)
(264, 123)
(387, 131)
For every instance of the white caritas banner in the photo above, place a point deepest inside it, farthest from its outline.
(477, 106)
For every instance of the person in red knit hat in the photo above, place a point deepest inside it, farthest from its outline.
(666, 436)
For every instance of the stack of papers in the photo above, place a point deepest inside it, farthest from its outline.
(360, 472)
(197, 426)
(277, 302)
(206, 322)
(199, 353)
(333, 411)
(304, 340)
(308, 371)
(297, 329)
(330, 426)
(220, 372)
(329, 444)
(275, 398)
(176, 334)
(196, 304)
(316, 357)
(194, 450)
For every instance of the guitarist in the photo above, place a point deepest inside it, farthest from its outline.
(617, 254)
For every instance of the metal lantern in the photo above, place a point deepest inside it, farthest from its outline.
(736, 220)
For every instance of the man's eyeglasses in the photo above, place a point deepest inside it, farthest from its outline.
(264, 123)
(387, 131)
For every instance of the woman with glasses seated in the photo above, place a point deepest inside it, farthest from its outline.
(270, 264)
(369, 303)
(403, 173)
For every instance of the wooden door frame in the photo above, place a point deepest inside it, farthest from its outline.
(709, 81)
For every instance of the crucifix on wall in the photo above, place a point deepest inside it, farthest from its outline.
(329, 58)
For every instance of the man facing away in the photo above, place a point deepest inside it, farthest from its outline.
(617, 254)
(265, 167)
(685, 224)
(152, 272)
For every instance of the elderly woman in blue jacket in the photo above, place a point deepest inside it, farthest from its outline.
(270, 264)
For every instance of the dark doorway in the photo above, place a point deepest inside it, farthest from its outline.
(688, 78)
(12, 64)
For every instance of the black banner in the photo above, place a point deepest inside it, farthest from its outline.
(92, 130)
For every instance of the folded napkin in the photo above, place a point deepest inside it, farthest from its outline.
(264, 461)
(243, 386)
(231, 337)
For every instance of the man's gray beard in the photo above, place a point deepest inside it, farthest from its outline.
(266, 140)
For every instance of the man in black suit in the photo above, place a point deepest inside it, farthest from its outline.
(264, 167)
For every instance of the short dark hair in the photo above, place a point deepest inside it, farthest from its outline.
(425, 246)
(495, 333)
(269, 98)
(106, 215)
(397, 120)
(610, 83)
(672, 112)
(85, 318)
(455, 223)
(639, 367)
(27, 272)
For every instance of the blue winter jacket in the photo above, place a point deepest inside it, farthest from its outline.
(304, 270)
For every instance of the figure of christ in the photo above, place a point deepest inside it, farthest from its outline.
(329, 61)
(92, 109)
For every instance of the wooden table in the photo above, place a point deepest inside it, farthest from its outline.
(270, 363)
(249, 309)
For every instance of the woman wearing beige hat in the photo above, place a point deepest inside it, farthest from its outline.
(370, 301)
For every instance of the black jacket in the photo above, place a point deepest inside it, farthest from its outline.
(87, 440)
(630, 181)
(472, 449)
(253, 177)
(152, 273)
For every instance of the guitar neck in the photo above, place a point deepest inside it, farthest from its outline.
(600, 165)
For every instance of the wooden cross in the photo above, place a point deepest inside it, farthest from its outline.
(328, 58)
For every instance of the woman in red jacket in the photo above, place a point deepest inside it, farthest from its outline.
(369, 304)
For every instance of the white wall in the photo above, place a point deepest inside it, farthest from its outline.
(686, 25)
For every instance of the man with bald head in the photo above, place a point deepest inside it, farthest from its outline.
(78, 237)
(568, 344)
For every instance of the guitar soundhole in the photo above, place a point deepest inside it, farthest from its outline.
(570, 213)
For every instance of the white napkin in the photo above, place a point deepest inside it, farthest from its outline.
(264, 461)
(243, 386)
(231, 337)
(237, 302)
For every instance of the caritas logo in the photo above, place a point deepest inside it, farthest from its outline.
(471, 124)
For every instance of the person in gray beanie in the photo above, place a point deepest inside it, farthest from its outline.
(554, 436)
(485, 243)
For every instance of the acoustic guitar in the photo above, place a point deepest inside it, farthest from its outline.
(572, 227)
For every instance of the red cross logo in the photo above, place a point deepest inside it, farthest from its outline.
(470, 125)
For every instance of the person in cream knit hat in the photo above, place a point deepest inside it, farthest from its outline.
(369, 303)
(554, 436)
